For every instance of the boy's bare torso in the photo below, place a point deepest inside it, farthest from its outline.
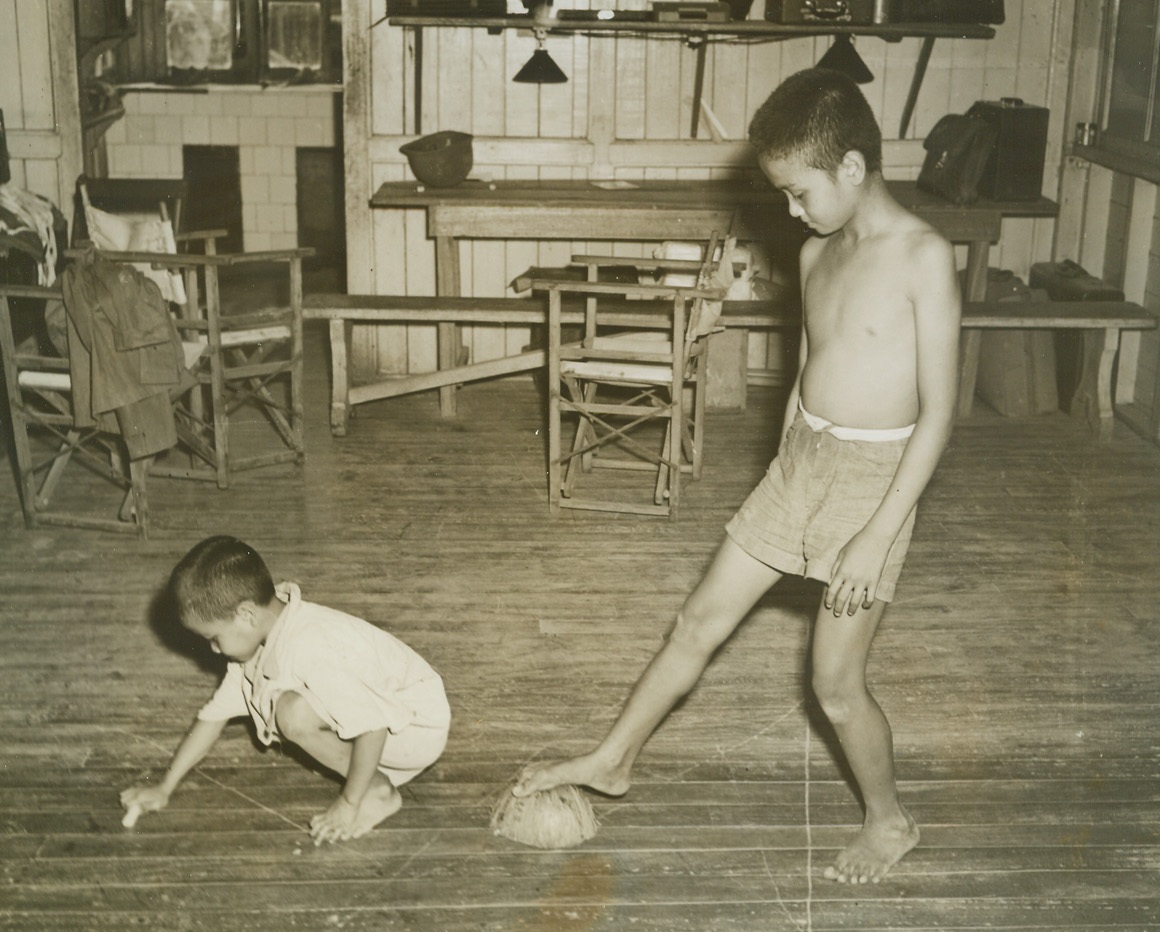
(858, 294)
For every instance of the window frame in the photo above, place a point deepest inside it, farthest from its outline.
(136, 63)
(1136, 156)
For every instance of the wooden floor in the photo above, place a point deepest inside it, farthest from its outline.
(1019, 667)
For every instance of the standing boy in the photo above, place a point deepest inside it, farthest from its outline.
(866, 422)
(353, 697)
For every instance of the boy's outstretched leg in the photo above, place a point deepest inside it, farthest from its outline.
(841, 646)
(730, 588)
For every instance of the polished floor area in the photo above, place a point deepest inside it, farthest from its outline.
(1018, 667)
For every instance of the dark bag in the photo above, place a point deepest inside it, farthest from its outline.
(957, 149)
(1068, 281)
(944, 11)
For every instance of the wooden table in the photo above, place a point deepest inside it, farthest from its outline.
(652, 211)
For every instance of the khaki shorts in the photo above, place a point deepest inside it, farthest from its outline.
(407, 753)
(818, 493)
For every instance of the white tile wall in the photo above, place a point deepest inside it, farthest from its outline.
(267, 125)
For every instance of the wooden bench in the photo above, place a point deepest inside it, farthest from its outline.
(1104, 320)
(342, 311)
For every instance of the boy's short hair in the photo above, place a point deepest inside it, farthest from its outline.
(215, 577)
(817, 115)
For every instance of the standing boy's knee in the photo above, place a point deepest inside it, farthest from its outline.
(834, 695)
(696, 631)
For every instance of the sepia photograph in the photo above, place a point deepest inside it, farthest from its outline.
(579, 465)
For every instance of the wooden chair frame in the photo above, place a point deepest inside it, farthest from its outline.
(246, 353)
(653, 376)
(38, 397)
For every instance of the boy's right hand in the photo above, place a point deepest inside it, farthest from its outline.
(144, 798)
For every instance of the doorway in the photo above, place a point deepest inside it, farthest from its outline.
(215, 189)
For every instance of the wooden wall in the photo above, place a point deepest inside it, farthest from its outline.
(1110, 223)
(39, 97)
(626, 113)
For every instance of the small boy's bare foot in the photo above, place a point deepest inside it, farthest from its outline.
(380, 803)
(876, 849)
(586, 770)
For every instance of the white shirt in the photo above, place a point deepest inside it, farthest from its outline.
(356, 677)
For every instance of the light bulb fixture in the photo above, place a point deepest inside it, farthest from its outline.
(540, 69)
(844, 58)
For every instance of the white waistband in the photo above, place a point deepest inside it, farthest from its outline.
(868, 434)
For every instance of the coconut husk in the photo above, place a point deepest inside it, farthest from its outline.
(557, 818)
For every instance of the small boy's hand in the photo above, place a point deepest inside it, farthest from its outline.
(335, 824)
(854, 578)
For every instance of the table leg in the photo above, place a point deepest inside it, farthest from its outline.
(447, 283)
(340, 377)
(975, 289)
(1093, 396)
(970, 341)
(554, 402)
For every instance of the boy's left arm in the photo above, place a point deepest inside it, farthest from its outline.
(937, 310)
(338, 821)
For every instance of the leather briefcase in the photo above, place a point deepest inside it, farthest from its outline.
(944, 11)
(1069, 281)
(820, 11)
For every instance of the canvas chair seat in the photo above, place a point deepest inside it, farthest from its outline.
(111, 232)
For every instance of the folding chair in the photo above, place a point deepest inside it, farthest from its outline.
(621, 384)
(134, 215)
(50, 432)
(254, 358)
(253, 364)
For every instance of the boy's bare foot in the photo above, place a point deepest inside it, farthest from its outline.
(380, 803)
(587, 770)
(876, 849)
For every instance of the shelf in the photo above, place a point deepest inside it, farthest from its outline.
(743, 29)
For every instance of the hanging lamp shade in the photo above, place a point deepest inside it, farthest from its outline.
(844, 58)
(540, 69)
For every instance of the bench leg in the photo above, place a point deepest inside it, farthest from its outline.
(1093, 396)
(339, 377)
(968, 369)
(974, 289)
(447, 282)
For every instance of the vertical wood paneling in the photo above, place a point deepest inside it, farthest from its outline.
(1137, 269)
(40, 97)
(640, 89)
(728, 71)
(12, 85)
(1097, 221)
(582, 86)
(455, 85)
(487, 75)
(662, 116)
(762, 67)
(522, 101)
(1147, 374)
(391, 66)
(631, 86)
(36, 90)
